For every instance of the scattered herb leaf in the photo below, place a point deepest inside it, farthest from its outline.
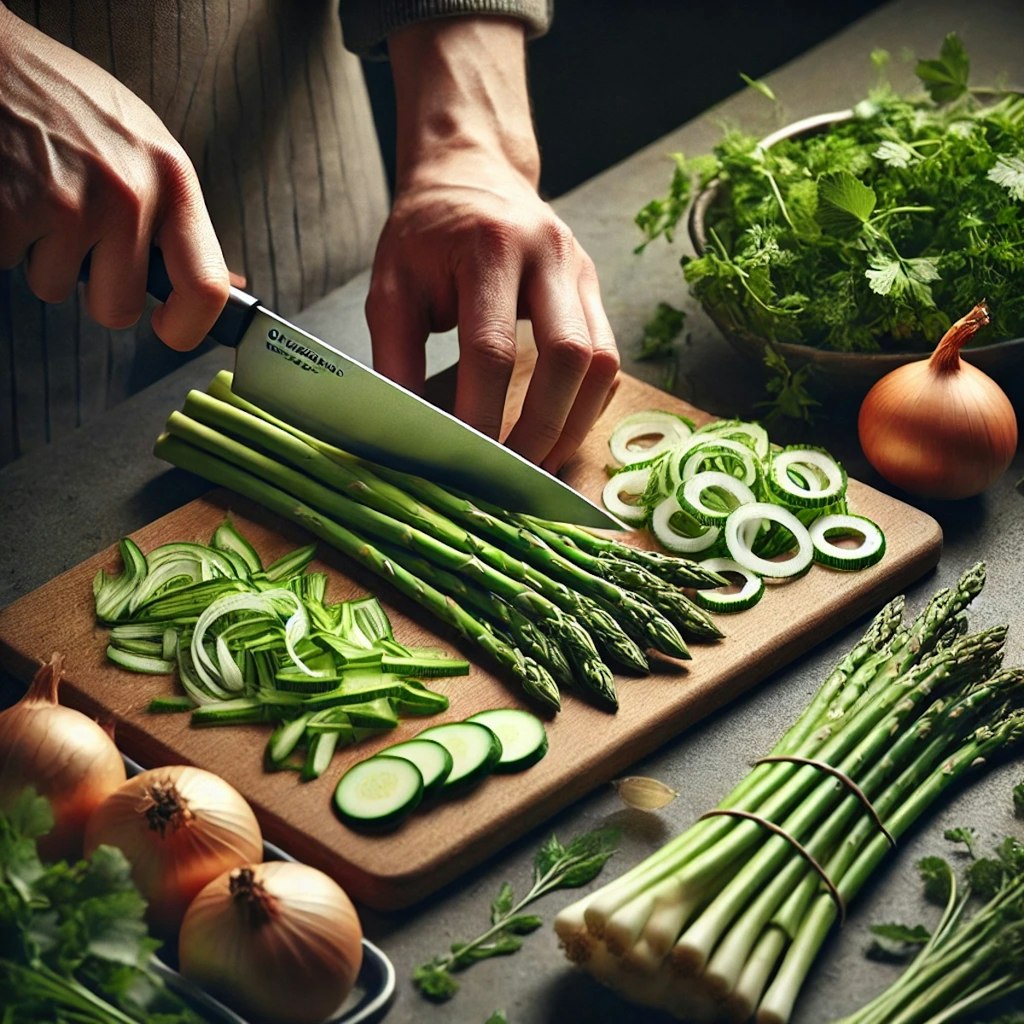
(967, 836)
(554, 867)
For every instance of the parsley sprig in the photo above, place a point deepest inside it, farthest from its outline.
(554, 867)
(870, 236)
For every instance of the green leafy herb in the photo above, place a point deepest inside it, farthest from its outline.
(972, 959)
(498, 1017)
(554, 867)
(967, 836)
(870, 236)
(74, 948)
(659, 341)
(1018, 799)
(946, 78)
(661, 332)
(897, 941)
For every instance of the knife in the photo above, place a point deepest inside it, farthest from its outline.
(319, 389)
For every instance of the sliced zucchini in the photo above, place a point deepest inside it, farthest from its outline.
(728, 599)
(524, 741)
(475, 750)
(807, 477)
(433, 760)
(710, 496)
(379, 792)
(828, 529)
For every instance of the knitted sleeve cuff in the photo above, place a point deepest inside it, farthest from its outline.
(367, 23)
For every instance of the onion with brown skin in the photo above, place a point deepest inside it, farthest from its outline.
(179, 827)
(63, 755)
(279, 942)
(940, 428)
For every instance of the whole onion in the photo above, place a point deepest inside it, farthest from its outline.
(62, 754)
(179, 827)
(940, 427)
(279, 942)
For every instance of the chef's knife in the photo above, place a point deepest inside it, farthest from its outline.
(317, 388)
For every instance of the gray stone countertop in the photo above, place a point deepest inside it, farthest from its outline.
(62, 504)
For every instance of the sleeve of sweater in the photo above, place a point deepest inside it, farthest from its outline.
(366, 24)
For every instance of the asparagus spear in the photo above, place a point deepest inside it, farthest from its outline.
(446, 515)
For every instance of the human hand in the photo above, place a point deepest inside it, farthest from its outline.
(86, 168)
(470, 242)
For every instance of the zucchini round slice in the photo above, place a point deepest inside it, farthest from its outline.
(825, 530)
(816, 478)
(720, 599)
(630, 483)
(379, 792)
(738, 540)
(669, 537)
(721, 453)
(524, 740)
(751, 434)
(735, 493)
(475, 750)
(664, 429)
(430, 757)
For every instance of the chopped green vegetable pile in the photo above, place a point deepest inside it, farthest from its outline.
(262, 644)
(869, 236)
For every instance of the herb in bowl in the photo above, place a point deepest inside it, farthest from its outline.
(861, 236)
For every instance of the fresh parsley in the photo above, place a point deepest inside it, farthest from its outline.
(74, 948)
(871, 236)
(554, 867)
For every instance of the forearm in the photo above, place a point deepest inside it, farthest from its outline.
(461, 95)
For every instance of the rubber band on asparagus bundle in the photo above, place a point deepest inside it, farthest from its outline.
(845, 779)
(778, 830)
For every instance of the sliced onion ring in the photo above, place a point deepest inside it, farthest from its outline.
(692, 495)
(821, 463)
(632, 482)
(669, 429)
(671, 538)
(737, 543)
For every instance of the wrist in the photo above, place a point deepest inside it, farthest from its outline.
(462, 97)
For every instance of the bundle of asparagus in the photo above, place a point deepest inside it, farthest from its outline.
(551, 603)
(726, 920)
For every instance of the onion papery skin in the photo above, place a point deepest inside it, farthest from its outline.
(63, 755)
(292, 958)
(211, 829)
(940, 427)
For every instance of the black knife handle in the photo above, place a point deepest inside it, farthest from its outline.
(234, 319)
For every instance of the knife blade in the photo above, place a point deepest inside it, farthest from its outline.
(316, 387)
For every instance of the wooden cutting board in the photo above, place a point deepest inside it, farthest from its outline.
(588, 746)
